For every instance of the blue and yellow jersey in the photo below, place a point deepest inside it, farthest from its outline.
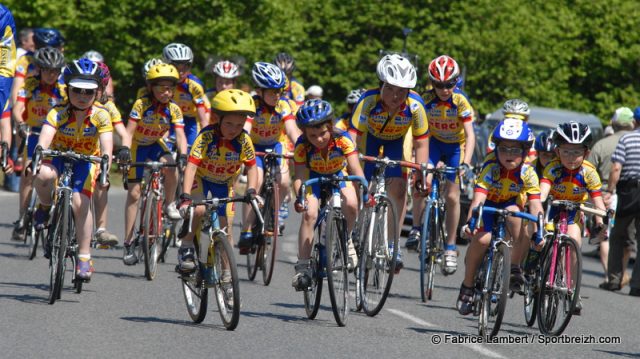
(220, 160)
(7, 43)
(113, 111)
(447, 118)
(26, 66)
(268, 124)
(572, 185)
(190, 96)
(335, 161)
(370, 117)
(84, 139)
(39, 99)
(294, 91)
(154, 119)
(502, 185)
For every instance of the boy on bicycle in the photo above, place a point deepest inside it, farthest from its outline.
(502, 180)
(320, 151)
(215, 161)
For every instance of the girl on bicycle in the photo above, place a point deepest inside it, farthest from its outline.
(225, 74)
(85, 128)
(321, 151)
(502, 180)
(214, 162)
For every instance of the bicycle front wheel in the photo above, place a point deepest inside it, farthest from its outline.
(559, 293)
(313, 294)
(58, 242)
(337, 271)
(270, 215)
(151, 233)
(494, 300)
(378, 263)
(227, 286)
(195, 295)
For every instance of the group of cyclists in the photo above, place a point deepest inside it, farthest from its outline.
(213, 135)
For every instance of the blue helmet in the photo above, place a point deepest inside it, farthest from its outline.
(513, 129)
(82, 73)
(267, 76)
(544, 141)
(636, 114)
(313, 113)
(44, 36)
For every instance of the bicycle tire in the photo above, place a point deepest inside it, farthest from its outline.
(228, 305)
(530, 301)
(151, 230)
(58, 244)
(169, 234)
(553, 302)
(72, 255)
(30, 233)
(378, 266)
(426, 261)
(362, 223)
(498, 290)
(268, 257)
(313, 296)
(195, 295)
(337, 272)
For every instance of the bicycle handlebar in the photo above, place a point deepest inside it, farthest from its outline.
(39, 153)
(288, 156)
(335, 179)
(153, 165)
(479, 211)
(215, 203)
(392, 163)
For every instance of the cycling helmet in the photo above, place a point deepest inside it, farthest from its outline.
(443, 69)
(161, 72)
(636, 114)
(83, 73)
(45, 36)
(397, 71)
(149, 64)
(49, 58)
(105, 74)
(513, 129)
(177, 53)
(573, 133)
(267, 76)
(285, 62)
(516, 107)
(315, 90)
(93, 56)
(314, 113)
(544, 141)
(226, 69)
(354, 96)
(233, 102)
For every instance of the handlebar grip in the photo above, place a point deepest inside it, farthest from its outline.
(540, 232)
(104, 170)
(5, 154)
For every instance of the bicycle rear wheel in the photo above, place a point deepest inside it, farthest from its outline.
(253, 261)
(270, 215)
(227, 286)
(58, 242)
(530, 299)
(31, 236)
(559, 295)
(170, 230)
(313, 295)
(377, 266)
(151, 233)
(337, 271)
(494, 301)
(195, 295)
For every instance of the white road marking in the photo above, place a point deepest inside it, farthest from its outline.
(410, 317)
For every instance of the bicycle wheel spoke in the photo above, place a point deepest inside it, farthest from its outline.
(337, 273)
(226, 283)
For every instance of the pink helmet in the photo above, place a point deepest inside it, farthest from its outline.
(105, 74)
(443, 69)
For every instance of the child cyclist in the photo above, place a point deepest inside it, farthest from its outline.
(35, 99)
(321, 151)
(570, 177)
(273, 113)
(225, 74)
(502, 179)
(150, 119)
(215, 160)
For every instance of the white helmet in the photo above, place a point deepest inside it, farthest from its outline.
(177, 53)
(94, 56)
(516, 107)
(314, 90)
(149, 64)
(226, 69)
(397, 71)
(354, 96)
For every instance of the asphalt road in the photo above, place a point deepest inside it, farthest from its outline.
(121, 314)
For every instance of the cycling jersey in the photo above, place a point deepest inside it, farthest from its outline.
(219, 160)
(268, 123)
(342, 123)
(447, 118)
(340, 147)
(294, 90)
(154, 119)
(572, 185)
(504, 186)
(26, 66)
(7, 43)
(39, 99)
(189, 96)
(142, 92)
(116, 117)
(84, 140)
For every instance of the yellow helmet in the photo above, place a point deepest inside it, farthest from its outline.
(233, 101)
(163, 72)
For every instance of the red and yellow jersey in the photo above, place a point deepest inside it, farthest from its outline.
(447, 118)
(572, 185)
(220, 160)
(8, 49)
(189, 96)
(332, 162)
(370, 117)
(26, 67)
(294, 91)
(81, 137)
(268, 123)
(502, 185)
(154, 119)
(39, 99)
(116, 117)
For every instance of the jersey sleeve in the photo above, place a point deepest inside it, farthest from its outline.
(285, 110)
(177, 120)
(484, 179)
(199, 96)
(136, 111)
(102, 121)
(198, 148)
(531, 184)
(465, 110)
(22, 66)
(547, 173)
(346, 145)
(420, 123)
(358, 118)
(247, 154)
(592, 180)
(116, 117)
(300, 152)
(52, 118)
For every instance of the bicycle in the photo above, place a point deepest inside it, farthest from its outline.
(218, 271)
(492, 280)
(170, 227)
(330, 258)
(560, 280)
(61, 236)
(149, 237)
(264, 244)
(378, 251)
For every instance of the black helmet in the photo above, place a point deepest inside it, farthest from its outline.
(573, 133)
(44, 36)
(49, 58)
(285, 62)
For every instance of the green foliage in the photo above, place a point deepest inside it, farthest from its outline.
(580, 55)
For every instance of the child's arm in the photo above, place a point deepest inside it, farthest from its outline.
(181, 140)
(545, 187)
(292, 130)
(189, 176)
(297, 183)
(598, 202)
(252, 177)
(353, 165)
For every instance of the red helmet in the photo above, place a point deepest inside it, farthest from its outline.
(105, 74)
(443, 69)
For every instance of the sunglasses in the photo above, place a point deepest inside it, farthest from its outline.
(514, 151)
(79, 91)
(571, 153)
(444, 85)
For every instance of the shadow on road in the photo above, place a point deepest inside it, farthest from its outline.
(621, 354)
(436, 331)
(172, 321)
